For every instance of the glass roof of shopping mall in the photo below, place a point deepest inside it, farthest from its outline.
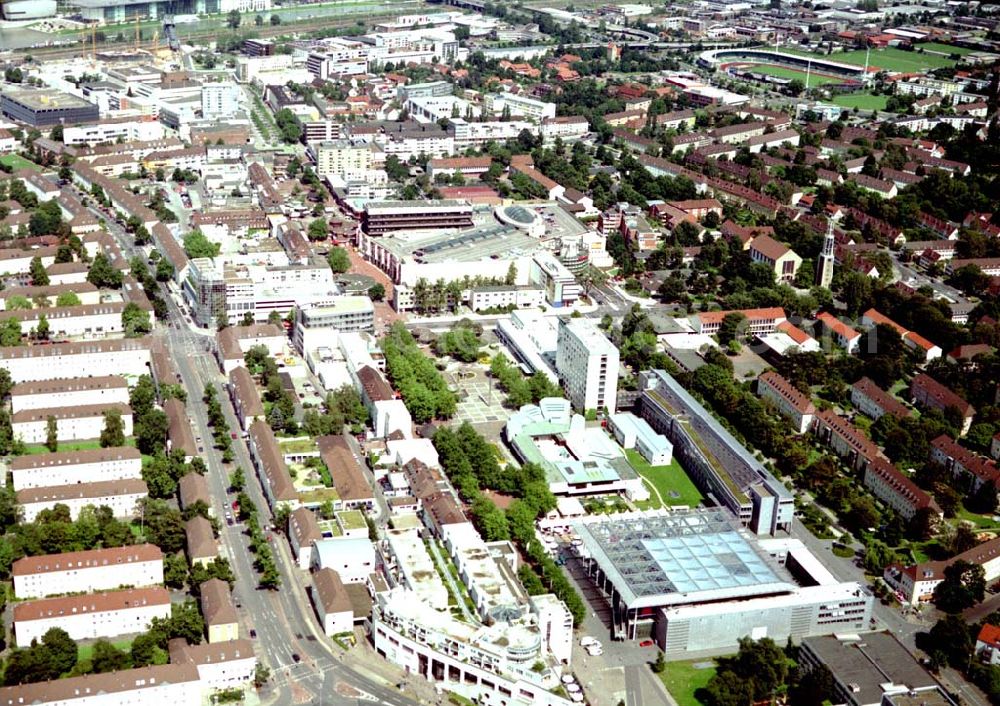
(681, 558)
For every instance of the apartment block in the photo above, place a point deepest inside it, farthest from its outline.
(895, 489)
(72, 423)
(928, 392)
(791, 402)
(332, 603)
(174, 684)
(587, 363)
(217, 608)
(70, 392)
(92, 570)
(842, 334)
(127, 356)
(67, 467)
(960, 462)
(872, 401)
(220, 665)
(92, 615)
(121, 496)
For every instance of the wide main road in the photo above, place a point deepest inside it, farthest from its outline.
(284, 619)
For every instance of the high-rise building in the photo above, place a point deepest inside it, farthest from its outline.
(220, 100)
(587, 363)
(824, 268)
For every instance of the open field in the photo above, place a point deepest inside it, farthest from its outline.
(946, 48)
(16, 161)
(861, 101)
(671, 481)
(683, 679)
(815, 79)
(84, 445)
(888, 59)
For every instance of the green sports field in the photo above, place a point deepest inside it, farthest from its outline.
(16, 162)
(861, 101)
(784, 72)
(946, 48)
(684, 679)
(890, 59)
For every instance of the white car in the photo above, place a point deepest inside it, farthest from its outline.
(587, 641)
(595, 650)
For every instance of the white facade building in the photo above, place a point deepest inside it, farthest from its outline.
(587, 363)
(121, 496)
(333, 605)
(174, 684)
(220, 665)
(128, 356)
(72, 423)
(138, 129)
(66, 467)
(523, 106)
(92, 570)
(220, 100)
(343, 158)
(89, 616)
(72, 392)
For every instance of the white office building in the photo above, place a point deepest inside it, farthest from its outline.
(587, 363)
(220, 100)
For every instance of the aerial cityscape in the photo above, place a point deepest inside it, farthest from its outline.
(542, 353)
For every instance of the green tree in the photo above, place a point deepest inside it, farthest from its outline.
(338, 260)
(288, 125)
(730, 327)
(67, 299)
(102, 274)
(233, 19)
(105, 657)
(197, 245)
(18, 302)
(135, 321)
(39, 276)
(42, 329)
(318, 229)
(52, 434)
(10, 332)
(964, 586)
(376, 292)
(113, 433)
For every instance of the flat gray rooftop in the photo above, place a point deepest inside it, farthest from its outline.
(873, 660)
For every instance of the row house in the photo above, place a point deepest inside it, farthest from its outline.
(842, 334)
(874, 402)
(67, 467)
(91, 570)
(928, 392)
(976, 470)
(896, 490)
(92, 615)
(69, 392)
(174, 684)
(122, 497)
(72, 423)
(846, 440)
(789, 400)
(245, 398)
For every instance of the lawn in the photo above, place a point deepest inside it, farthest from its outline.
(861, 101)
(31, 449)
(684, 679)
(894, 59)
(980, 521)
(85, 651)
(16, 161)
(889, 59)
(946, 48)
(784, 72)
(670, 481)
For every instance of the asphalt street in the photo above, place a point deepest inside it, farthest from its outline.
(284, 620)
